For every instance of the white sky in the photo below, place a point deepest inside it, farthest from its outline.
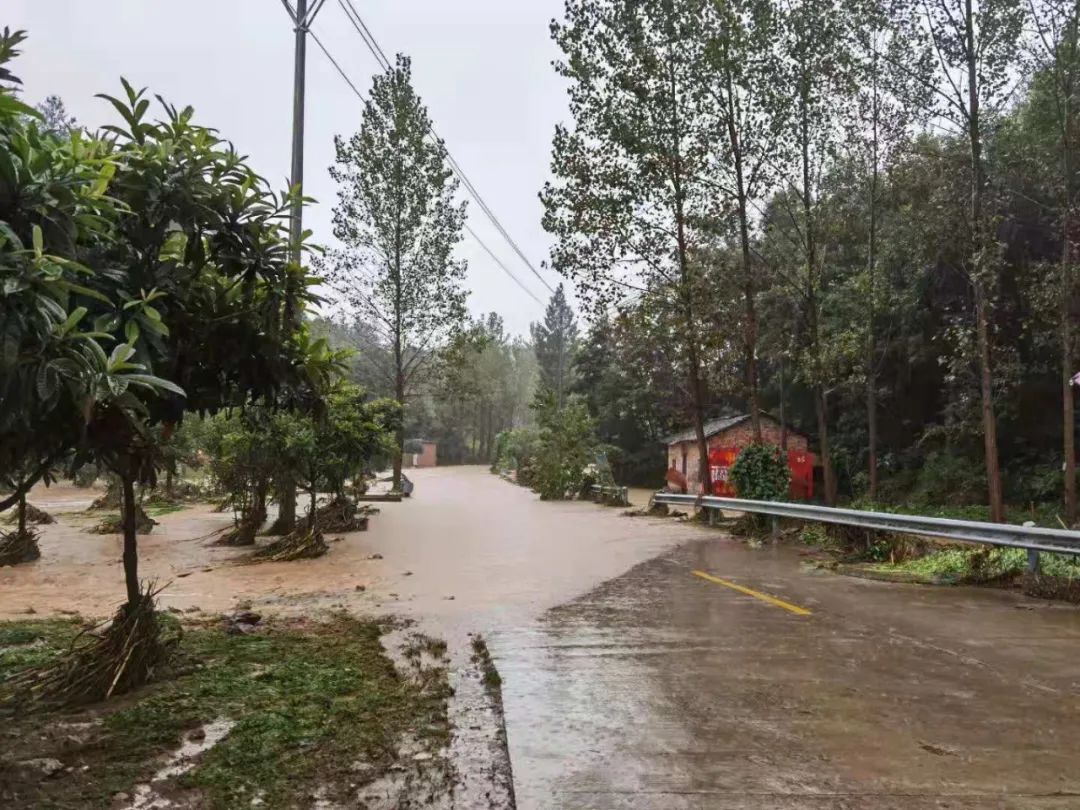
(481, 66)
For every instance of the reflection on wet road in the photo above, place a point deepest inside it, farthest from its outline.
(661, 689)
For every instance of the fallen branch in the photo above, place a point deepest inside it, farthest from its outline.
(110, 659)
(302, 544)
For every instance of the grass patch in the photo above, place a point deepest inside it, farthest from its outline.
(492, 679)
(163, 508)
(982, 565)
(28, 644)
(310, 700)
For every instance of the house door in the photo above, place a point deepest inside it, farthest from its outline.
(684, 463)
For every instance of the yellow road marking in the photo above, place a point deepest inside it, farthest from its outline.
(772, 600)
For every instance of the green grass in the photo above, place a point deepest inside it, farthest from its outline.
(27, 644)
(158, 509)
(309, 702)
(982, 565)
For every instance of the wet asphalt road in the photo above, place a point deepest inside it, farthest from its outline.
(661, 689)
(631, 682)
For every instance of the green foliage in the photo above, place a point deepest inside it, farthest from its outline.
(399, 223)
(567, 445)
(976, 565)
(254, 447)
(150, 250)
(761, 473)
(555, 341)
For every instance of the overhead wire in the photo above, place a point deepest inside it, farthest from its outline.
(479, 241)
(380, 56)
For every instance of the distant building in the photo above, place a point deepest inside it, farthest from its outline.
(726, 438)
(427, 456)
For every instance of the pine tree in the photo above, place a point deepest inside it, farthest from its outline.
(555, 341)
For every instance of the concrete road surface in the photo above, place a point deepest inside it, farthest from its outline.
(652, 664)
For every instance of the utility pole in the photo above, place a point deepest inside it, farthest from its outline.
(302, 18)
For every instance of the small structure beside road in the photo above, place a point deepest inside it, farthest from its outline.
(420, 453)
(726, 438)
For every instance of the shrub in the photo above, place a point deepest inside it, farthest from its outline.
(761, 473)
(567, 445)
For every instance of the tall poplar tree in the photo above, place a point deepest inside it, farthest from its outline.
(743, 78)
(975, 45)
(1055, 49)
(399, 222)
(630, 192)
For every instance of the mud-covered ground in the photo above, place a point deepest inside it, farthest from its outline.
(648, 663)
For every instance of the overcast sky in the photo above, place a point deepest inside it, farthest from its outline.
(481, 66)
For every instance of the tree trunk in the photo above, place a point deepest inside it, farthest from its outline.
(131, 549)
(22, 515)
(1067, 405)
(399, 433)
(783, 411)
(286, 520)
(698, 396)
(262, 487)
(750, 327)
(982, 328)
(990, 442)
(313, 520)
(821, 407)
(871, 268)
(872, 430)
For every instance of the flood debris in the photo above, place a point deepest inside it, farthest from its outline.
(34, 515)
(302, 544)
(653, 509)
(19, 547)
(106, 660)
(241, 533)
(343, 515)
(241, 622)
(114, 524)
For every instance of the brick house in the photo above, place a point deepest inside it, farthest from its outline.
(427, 457)
(726, 437)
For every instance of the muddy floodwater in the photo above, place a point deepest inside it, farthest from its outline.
(648, 663)
(468, 551)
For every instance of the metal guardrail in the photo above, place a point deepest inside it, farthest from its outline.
(623, 493)
(1031, 538)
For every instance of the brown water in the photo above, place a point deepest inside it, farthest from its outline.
(630, 682)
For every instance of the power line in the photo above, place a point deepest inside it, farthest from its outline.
(479, 241)
(380, 57)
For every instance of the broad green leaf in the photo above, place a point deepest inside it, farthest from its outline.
(76, 316)
(150, 381)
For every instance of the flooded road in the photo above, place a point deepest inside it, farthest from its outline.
(648, 663)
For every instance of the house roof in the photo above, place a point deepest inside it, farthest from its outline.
(714, 426)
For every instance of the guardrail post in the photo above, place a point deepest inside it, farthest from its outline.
(712, 516)
(775, 521)
(1033, 561)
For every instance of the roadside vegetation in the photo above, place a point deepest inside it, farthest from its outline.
(883, 254)
(309, 708)
(152, 323)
